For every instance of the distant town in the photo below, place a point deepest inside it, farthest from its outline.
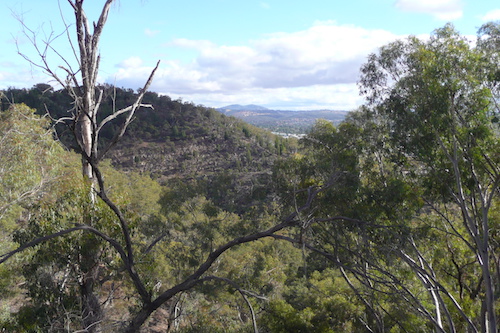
(286, 123)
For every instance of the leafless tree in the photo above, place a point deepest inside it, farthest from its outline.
(81, 83)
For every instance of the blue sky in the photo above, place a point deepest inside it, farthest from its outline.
(280, 54)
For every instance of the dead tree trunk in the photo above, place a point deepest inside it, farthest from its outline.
(81, 84)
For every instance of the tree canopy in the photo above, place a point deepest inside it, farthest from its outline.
(387, 222)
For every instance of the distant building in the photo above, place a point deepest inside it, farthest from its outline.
(290, 135)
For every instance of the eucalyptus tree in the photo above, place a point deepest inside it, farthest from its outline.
(439, 98)
(28, 157)
(411, 221)
(32, 164)
(361, 220)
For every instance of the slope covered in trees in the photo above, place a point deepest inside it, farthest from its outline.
(221, 156)
(179, 127)
(387, 222)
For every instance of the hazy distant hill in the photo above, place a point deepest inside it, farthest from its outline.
(281, 120)
(238, 107)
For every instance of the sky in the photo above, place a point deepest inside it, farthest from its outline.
(281, 54)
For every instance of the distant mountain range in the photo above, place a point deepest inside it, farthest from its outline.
(238, 107)
(284, 121)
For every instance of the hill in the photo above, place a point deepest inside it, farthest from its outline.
(179, 143)
(238, 107)
(284, 121)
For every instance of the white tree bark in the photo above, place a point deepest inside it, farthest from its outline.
(81, 84)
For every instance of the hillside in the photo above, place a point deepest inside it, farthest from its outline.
(218, 154)
(284, 121)
(238, 107)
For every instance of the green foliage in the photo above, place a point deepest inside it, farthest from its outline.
(322, 303)
(52, 281)
(194, 228)
(408, 177)
(32, 165)
(362, 182)
(179, 142)
(386, 247)
(52, 271)
(439, 100)
(29, 157)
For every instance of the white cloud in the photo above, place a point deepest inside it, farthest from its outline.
(21, 78)
(492, 15)
(132, 62)
(319, 63)
(191, 44)
(21, 75)
(151, 33)
(445, 10)
(337, 97)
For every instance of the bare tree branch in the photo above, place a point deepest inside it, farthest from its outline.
(131, 110)
(243, 294)
(194, 278)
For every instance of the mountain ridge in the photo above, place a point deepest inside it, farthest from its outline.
(220, 156)
(239, 107)
(284, 121)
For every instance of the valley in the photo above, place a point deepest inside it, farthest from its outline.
(282, 121)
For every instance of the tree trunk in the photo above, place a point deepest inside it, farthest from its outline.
(92, 313)
(490, 324)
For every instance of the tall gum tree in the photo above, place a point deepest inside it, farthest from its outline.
(439, 98)
(80, 81)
